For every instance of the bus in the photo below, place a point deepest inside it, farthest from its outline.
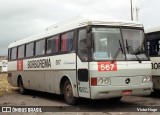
(94, 57)
(153, 44)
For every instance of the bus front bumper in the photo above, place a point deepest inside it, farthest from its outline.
(105, 92)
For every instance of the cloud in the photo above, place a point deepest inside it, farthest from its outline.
(22, 18)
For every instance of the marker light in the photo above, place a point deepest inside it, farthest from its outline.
(94, 81)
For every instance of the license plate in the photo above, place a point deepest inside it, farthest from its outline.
(127, 92)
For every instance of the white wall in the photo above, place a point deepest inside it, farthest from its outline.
(3, 65)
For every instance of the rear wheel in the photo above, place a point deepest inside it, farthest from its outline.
(21, 87)
(68, 93)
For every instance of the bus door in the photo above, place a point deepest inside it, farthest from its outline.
(83, 79)
(82, 65)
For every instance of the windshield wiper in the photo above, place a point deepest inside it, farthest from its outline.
(138, 51)
(118, 51)
(130, 50)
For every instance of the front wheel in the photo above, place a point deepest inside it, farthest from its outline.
(21, 87)
(68, 93)
(115, 99)
(156, 90)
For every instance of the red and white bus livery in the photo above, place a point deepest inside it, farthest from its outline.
(88, 56)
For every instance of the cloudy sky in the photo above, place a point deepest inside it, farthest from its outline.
(23, 18)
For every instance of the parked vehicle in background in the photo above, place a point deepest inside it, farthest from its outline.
(153, 44)
(3, 65)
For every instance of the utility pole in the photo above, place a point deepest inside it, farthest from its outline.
(131, 10)
(137, 10)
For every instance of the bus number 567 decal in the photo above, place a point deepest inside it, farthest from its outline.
(107, 66)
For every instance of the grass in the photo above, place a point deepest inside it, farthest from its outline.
(5, 87)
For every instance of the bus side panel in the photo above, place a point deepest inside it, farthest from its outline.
(50, 81)
(33, 80)
(45, 78)
(156, 72)
(12, 79)
(155, 66)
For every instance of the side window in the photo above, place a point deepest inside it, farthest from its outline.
(148, 46)
(158, 47)
(67, 41)
(82, 45)
(21, 51)
(52, 45)
(153, 48)
(40, 47)
(29, 49)
(13, 53)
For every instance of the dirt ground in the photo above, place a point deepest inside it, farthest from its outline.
(5, 87)
(10, 96)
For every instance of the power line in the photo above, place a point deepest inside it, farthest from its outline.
(131, 10)
(137, 11)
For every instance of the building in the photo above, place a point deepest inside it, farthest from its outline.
(3, 64)
(0, 66)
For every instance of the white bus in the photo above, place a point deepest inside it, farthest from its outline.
(88, 56)
(153, 42)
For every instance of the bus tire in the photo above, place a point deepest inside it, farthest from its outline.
(115, 99)
(156, 90)
(22, 90)
(68, 93)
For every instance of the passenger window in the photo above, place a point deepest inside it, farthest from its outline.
(21, 51)
(29, 49)
(67, 41)
(40, 47)
(82, 45)
(13, 53)
(52, 45)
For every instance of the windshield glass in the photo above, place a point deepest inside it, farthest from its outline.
(107, 42)
(134, 44)
(108, 45)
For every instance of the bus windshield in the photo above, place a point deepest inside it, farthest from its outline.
(134, 44)
(108, 44)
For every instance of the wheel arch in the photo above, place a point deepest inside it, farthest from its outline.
(19, 76)
(62, 82)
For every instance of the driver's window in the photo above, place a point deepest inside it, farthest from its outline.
(103, 44)
(82, 45)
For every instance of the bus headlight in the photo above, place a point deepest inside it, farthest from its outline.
(149, 79)
(103, 81)
(106, 80)
(100, 81)
(146, 79)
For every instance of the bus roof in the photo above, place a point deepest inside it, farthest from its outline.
(152, 30)
(77, 22)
